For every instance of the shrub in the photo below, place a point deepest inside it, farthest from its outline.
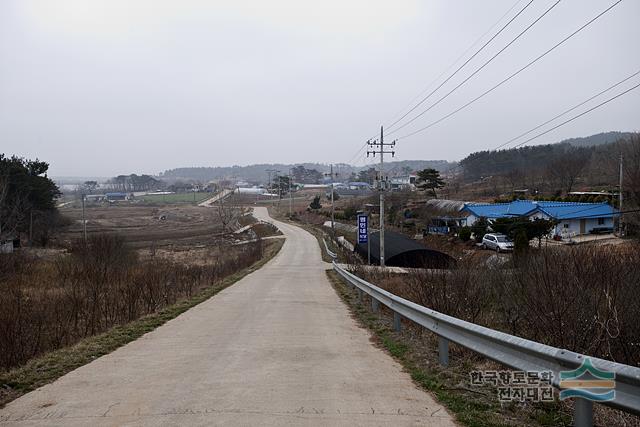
(581, 298)
(46, 305)
(465, 234)
(521, 242)
(479, 229)
(315, 204)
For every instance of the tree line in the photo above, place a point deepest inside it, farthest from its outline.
(27, 199)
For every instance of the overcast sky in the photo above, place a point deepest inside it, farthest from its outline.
(99, 88)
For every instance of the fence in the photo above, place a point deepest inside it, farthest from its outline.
(517, 353)
(331, 254)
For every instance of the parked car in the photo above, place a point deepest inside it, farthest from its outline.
(497, 242)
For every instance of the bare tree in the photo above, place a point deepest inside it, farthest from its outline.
(631, 168)
(565, 171)
(228, 212)
(4, 189)
(514, 178)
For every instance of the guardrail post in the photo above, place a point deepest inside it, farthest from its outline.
(359, 295)
(583, 413)
(443, 351)
(397, 324)
(374, 305)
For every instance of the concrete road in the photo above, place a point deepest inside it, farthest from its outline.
(276, 348)
(219, 196)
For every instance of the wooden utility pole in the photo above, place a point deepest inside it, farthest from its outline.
(84, 223)
(620, 228)
(290, 196)
(378, 147)
(333, 228)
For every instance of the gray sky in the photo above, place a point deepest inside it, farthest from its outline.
(99, 88)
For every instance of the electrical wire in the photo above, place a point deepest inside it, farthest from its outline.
(567, 111)
(463, 65)
(512, 75)
(446, 70)
(578, 116)
(459, 166)
(480, 68)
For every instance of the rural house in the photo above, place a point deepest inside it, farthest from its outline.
(572, 218)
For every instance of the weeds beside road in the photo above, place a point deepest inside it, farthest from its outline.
(416, 349)
(59, 316)
(583, 299)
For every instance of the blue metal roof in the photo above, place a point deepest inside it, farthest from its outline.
(569, 210)
(500, 210)
(556, 210)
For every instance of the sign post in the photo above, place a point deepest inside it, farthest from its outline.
(363, 233)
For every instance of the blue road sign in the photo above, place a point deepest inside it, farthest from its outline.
(363, 229)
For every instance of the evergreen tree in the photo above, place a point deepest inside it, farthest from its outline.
(429, 179)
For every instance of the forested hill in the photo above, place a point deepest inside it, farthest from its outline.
(538, 158)
(258, 173)
(597, 139)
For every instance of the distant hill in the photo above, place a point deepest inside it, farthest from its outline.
(597, 139)
(258, 172)
(533, 159)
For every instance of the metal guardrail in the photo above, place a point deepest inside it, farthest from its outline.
(331, 254)
(515, 352)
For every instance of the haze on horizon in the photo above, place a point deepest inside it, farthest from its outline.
(103, 87)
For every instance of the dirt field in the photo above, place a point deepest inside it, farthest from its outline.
(148, 226)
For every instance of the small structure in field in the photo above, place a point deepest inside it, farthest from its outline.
(116, 197)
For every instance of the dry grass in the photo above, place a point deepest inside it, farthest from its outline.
(46, 305)
(583, 298)
(44, 369)
(416, 349)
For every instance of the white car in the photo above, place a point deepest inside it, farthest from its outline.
(497, 242)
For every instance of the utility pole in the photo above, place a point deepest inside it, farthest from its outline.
(333, 227)
(620, 228)
(378, 147)
(84, 223)
(31, 227)
(270, 171)
(290, 196)
(368, 239)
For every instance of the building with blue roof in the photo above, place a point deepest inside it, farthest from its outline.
(572, 218)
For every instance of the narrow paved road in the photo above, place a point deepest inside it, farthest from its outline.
(276, 348)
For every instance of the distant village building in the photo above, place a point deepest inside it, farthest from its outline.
(94, 198)
(350, 189)
(406, 182)
(115, 197)
(571, 218)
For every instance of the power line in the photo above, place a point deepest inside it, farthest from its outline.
(458, 166)
(462, 66)
(578, 116)
(457, 59)
(357, 153)
(568, 111)
(512, 75)
(480, 68)
(615, 213)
